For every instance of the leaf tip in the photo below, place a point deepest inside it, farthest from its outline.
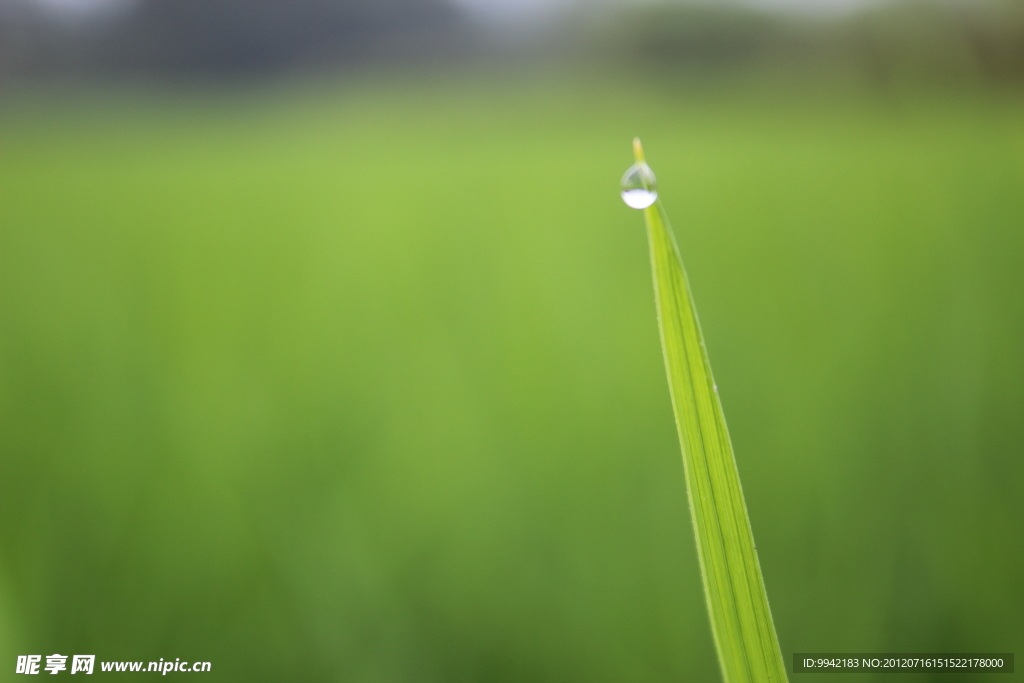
(638, 151)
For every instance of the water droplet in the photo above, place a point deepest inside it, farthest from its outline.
(639, 186)
(716, 388)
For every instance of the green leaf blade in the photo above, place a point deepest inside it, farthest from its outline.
(741, 621)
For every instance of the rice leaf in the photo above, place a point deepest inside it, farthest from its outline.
(741, 621)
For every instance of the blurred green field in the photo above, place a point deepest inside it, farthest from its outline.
(363, 383)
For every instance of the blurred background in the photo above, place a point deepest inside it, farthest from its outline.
(328, 349)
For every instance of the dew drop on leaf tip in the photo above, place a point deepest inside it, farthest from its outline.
(639, 186)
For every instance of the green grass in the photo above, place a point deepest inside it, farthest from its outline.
(741, 620)
(363, 384)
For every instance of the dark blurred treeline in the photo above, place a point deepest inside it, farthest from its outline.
(221, 37)
(902, 40)
(932, 40)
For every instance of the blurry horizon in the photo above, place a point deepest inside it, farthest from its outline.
(487, 10)
(884, 39)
